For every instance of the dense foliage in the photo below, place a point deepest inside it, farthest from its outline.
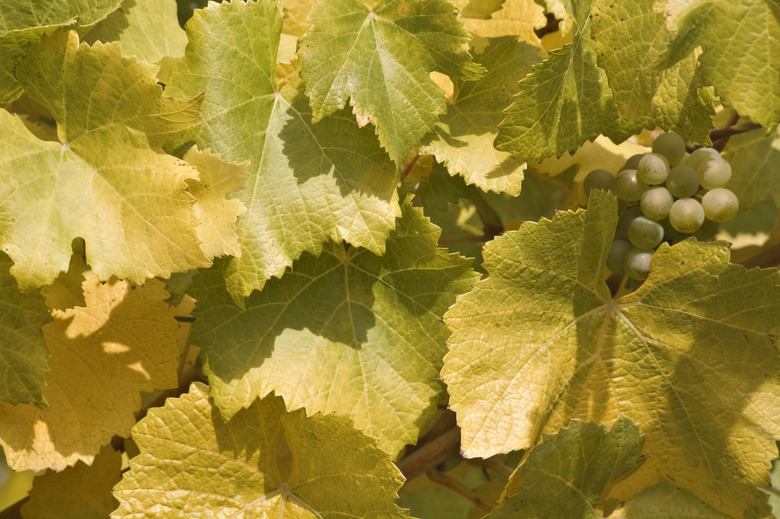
(347, 258)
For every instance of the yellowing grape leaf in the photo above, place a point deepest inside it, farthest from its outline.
(106, 181)
(381, 58)
(346, 332)
(148, 29)
(740, 40)
(691, 356)
(216, 217)
(463, 138)
(304, 185)
(265, 462)
(602, 153)
(666, 501)
(102, 356)
(564, 102)
(24, 22)
(570, 473)
(630, 37)
(754, 157)
(22, 349)
(516, 18)
(79, 492)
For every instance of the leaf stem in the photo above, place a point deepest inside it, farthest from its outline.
(457, 486)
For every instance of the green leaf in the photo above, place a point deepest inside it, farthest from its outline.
(630, 36)
(22, 350)
(106, 181)
(23, 23)
(345, 332)
(570, 473)
(754, 157)
(148, 29)
(307, 183)
(464, 136)
(103, 355)
(741, 55)
(691, 356)
(564, 102)
(80, 492)
(382, 58)
(263, 463)
(664, 501)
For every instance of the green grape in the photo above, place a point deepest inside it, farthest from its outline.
(686, 215)
(701, 154)
(629, 187)
(671, 146)
(599, 179)
(625, 221)
(714, 173)
(617, 254)
(656, 202)
(645, 234)
(720, 204)
(653, 169)
(633, 161)
(637, 263)
(683, 181)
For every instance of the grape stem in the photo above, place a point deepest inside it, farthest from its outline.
(441, 442)
(460, 488)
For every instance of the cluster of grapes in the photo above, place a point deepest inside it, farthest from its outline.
(666, 195)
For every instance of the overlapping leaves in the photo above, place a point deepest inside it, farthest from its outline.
(381, 59)
(265, 462)
(307, 182)
(691, 356)
(346, 332)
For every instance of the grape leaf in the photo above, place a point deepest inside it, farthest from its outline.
(630, 37)
(382, 58)
(741, 54)
(564, 102)
(107, 181)
(23, 23)
(346, 332)
(540, 341)
(570, 473)
(480, 9)
(666, 501)
(464, 136)
(265, 462)
(22, 349)
(754, 157)
(216, 217)
(516, 18)
(79, 492)
(102, 356)
(148, 29)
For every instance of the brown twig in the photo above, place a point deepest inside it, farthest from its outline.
(430, 454)
(724, 133)
(491, 464)
(409, 166)
(460, 488)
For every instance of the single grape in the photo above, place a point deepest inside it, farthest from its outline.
(671, 146)
(617, 254)
(656, 202)
(628, 185)
(701, 154)
(720, 204)
(633, 161)
(683, 181)
(653, 169)
(625, 221)
(645, 234)
(637, 263)
(599, 179)
(686, 215)
(714, 173)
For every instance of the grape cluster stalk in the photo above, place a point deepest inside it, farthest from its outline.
(666, 196)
